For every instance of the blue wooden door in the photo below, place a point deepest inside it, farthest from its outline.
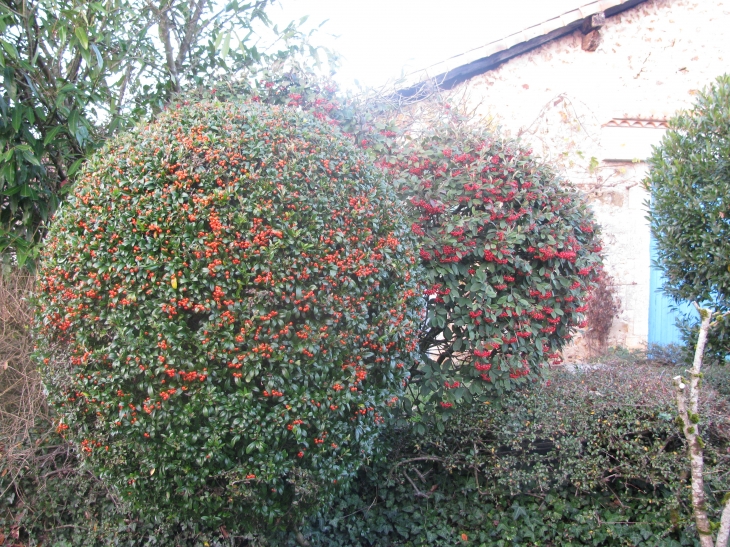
(662, 314)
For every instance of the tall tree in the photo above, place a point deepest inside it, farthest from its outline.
(76, 71)
(689, 181)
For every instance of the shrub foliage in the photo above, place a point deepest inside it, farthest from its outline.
(510, 252)
(592, 458)
(233, 294)
(509, 249)
(229, 307)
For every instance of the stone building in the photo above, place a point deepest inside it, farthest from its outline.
(591, 91)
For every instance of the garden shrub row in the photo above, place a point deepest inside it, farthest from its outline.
(235, 297)
(593, 458)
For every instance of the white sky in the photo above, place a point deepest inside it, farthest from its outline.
(379, 39)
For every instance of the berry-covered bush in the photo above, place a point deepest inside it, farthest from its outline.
(226, 312)
(510, 251)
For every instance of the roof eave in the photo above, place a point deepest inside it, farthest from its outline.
(455, 76)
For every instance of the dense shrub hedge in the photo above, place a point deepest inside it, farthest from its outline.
(591, 459)
(234, 293)
(227, 313)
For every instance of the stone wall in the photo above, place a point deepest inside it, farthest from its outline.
(596, 113)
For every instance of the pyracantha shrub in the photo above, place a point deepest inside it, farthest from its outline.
(510, 251)
(689, 211)
(225, 312)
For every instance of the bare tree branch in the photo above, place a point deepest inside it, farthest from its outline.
(191, 30)
(688, 408)
(165, 27)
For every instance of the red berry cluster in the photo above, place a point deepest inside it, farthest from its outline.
(510, 252)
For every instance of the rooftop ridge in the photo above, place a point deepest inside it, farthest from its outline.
(458, 68)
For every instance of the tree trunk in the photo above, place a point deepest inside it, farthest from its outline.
(724, 531)
(690, 427)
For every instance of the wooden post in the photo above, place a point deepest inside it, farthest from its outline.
(589, 28)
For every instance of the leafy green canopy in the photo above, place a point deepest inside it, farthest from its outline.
(75, 72)
(227, 312)
(689, 181)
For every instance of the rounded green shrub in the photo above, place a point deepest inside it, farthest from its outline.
(226, 313)
(689, 181)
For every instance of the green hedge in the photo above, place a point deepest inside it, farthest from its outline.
(594, 458)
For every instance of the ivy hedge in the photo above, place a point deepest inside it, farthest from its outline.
(592, 458)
